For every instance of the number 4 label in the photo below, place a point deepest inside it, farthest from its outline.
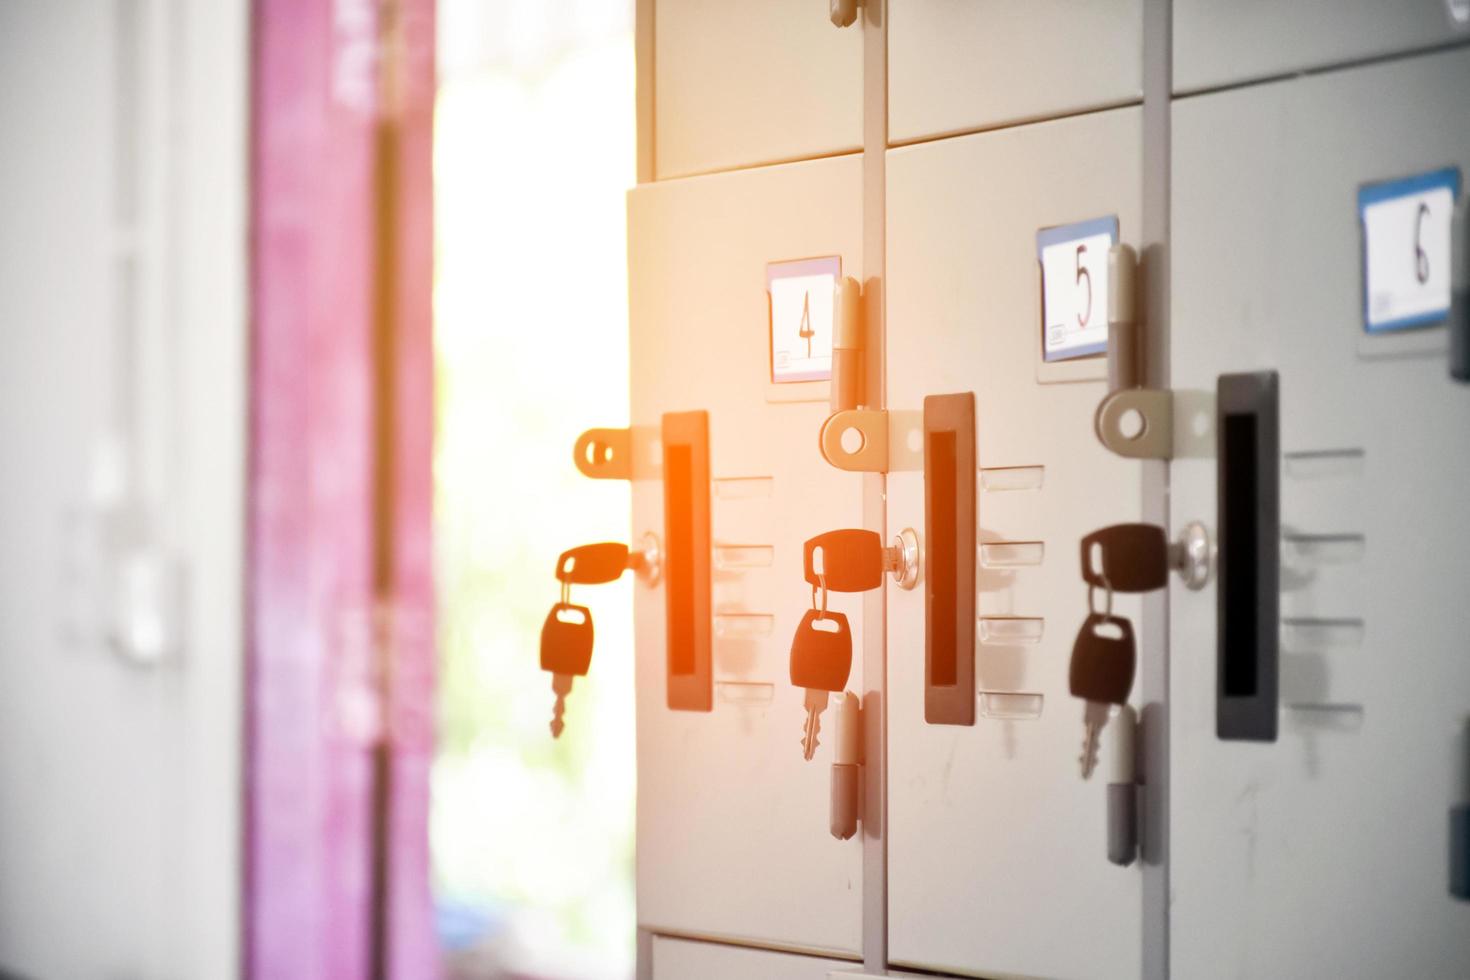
(1406, 250)
(1074, 287)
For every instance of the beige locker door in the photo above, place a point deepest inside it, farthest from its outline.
(1219, 44)
(683, 959)
(997, 848)
(1323, 853)
(958, 65)
(733, 838)
(760, 81)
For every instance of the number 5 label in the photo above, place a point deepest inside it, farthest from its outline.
(1406, 250)
(1074, 287)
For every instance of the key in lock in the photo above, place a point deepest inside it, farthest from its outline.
(592, 564)
(1126, 558)
(851, 560)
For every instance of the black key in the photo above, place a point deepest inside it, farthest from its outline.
(1103, 660)
(566, 651)
(821, 658)
(592, 564)
(566, 640)
(1127, 557)
(852, 560)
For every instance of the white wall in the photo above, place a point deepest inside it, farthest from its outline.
(120, 782)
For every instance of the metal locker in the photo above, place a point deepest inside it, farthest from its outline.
(740, 84)
(954, 67)
(997, 848)
(683, 959)
(733, 838)
(1323, 852)
(1218, 44)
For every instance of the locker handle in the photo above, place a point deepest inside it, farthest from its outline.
(686, 561)
(951, 546)
(1460, 293)
(1248, 566)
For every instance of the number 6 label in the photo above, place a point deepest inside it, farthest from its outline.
(1406, 250)
(1074, 287)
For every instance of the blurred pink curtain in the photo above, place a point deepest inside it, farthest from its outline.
(340, 659)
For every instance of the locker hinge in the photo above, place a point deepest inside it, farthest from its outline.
(853, 437)
(1131, 421)
(843, 12)
(1125, 790)
(847, 768)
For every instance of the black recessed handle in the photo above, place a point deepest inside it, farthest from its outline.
(950, 543)
(1460, 293)
(1247, 626)
(687, 552)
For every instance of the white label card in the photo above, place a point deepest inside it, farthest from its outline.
(1406, 250)
(1074, 287)
(802, 318)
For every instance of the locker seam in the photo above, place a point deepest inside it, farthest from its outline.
(1015, 123)
(1328, 68)
(856, 151)
(735, 942)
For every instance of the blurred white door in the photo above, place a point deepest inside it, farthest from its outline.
(122, 306)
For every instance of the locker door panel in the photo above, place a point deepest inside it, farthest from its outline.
(1325, 852)
(738, 84)
(997, 849)
(1224, 43)
(956, 66)
(733, 838)
(683, 959)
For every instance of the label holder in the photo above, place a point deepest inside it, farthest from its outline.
(805, 390)
(1090, 364)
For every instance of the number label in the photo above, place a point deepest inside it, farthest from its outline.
(800, 295)
(1074, 287)
(1406, 250)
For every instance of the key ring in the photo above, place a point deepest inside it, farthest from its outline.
(1108, 613)
(821, 613)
